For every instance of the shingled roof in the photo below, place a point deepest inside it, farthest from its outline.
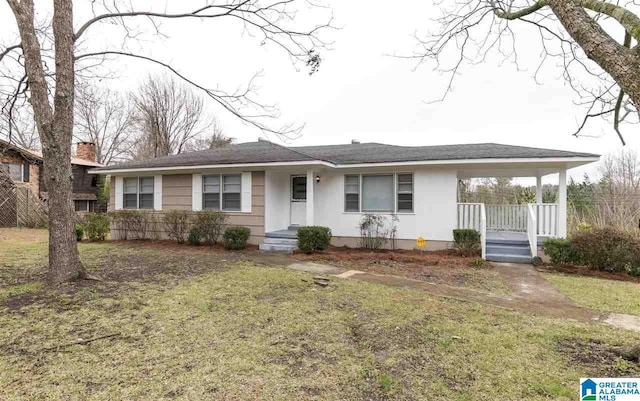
(263, 152)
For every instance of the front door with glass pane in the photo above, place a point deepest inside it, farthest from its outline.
(298, 200)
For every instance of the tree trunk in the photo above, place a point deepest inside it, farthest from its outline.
(55, 128)
(622, 63)
(64, 262)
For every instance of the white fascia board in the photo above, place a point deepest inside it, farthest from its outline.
(579, 160)
(215, 166)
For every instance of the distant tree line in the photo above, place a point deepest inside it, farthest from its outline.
(613, 200)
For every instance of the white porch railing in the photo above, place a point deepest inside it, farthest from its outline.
(532, 231)
(507, 218)
(547, 218)
(469, 215)
(474, 216)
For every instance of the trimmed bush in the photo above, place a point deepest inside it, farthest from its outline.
(210, 225)
(466, 241)
(194, 236)
(236, 237)
(79, 232)
(313, 238)
(177, 225)
(560, 251)
(96, 226)
(608, 249)
(536, 261)
(131, 224)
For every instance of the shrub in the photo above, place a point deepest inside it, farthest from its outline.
(177, 224)
(131, 224)
(313, 238)
(608, 249)
(536, 261)
(96, 226)
(584, 227)
(194, 236)
(236, 237)
(373, 231)
(79, 232)
(560, 251)
(466, 241)
(210, 224)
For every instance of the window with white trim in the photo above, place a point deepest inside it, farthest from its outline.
(138, 193)
(405, 192)
(378, 193)
(222, 192)
(351, 193)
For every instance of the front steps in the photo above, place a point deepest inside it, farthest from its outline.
(281, 241)
(508, 250)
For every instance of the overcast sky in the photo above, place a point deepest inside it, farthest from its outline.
(362, 92)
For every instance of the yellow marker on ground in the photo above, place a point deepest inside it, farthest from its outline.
(421, 242)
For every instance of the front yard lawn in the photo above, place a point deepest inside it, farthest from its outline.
(188, 323)
(599, 293)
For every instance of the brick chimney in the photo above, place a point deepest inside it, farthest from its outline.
(86, 151)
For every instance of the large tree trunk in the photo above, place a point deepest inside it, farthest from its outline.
(64, 262)
(622, 63)
(55, 129)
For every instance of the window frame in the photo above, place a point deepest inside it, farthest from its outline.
(358, 177)
(221, 192)
(8, 170)
(396, 192)
(393, 184)
(293, 197)
(138, 192)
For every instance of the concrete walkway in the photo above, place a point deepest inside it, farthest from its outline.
(530, 293)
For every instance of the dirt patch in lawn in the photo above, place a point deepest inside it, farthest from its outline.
(440, 267)
(587, 272)
(600, 359)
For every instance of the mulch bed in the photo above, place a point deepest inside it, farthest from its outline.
(587, 272)
(429, 258)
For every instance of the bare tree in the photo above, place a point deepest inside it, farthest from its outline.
(214, 139)
(26, 70)
(578, 34)
(170, 117)
(104, 118)
(20, 128)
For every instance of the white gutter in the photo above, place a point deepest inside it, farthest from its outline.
(347, 166)
(213, 166)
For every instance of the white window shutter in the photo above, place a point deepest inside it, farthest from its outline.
(157, 192)
(246, 192)
(119, 192)
(196, 192)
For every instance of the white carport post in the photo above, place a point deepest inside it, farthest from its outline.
(538, 188)
(310, 184)
(562, 203)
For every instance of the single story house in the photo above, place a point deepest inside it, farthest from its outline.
(273, 189)
(25, 168)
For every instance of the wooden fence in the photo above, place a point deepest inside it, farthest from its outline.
(19, 207)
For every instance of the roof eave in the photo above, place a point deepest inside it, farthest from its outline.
(574, 161)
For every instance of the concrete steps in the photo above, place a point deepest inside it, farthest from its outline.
(511, 251)
(285, 241)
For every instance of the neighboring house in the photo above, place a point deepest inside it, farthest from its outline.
(273, 189)
(25, 168)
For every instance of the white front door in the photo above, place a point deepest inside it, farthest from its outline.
(298, 200)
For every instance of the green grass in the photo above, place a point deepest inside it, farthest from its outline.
(597, 293)
(246, 331)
